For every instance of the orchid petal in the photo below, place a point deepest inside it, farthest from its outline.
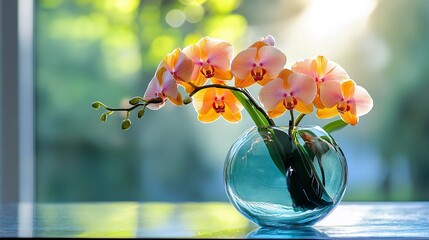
(232, 102)
(362, 101)
(151, 92)
(318, 103)
(330, 93)
(303, 108)
(349, 118)
(193, 53)
(177, 101)
(183, 69)
(321, 65)
(170, 59)
(203, 99)
(272, 60)
(152, 88)
(243, 63)
(335, 72)
(272, 93)
(209, 117)
(222, 74)
(220, 55)
(284, 75)
(348, 88)
(169, 85)
(218, 81)
(246, 82)
(327, 112)
(278, 110)
(304, 67)
(231, 116)
(269, 40)
(302, 87)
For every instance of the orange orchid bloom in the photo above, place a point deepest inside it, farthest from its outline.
(321, 70)
(212, 103)
(212, 60)
(260, 63)
(178, 64)
(164, 86)
(291, 90)
(347, 99)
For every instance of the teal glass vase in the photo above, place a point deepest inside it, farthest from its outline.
(277, 177)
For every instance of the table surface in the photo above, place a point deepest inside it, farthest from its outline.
(205, 220)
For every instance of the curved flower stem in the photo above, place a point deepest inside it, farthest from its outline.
(147, 102)
(299, 118)
(258, 114)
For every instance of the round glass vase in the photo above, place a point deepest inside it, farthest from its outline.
(307, 185)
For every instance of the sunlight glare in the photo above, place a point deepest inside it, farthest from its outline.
(327, 17)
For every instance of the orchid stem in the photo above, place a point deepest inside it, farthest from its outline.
(299, 118)
(291, 122)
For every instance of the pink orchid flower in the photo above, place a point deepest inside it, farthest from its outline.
(178, 64)
(289, 91)
(321, 70)
(164, 86)
(260, 63)
(211, 59)
(347, 99)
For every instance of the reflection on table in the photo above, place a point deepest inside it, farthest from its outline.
(204, 220)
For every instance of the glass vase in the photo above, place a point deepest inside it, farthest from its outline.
(277, 177)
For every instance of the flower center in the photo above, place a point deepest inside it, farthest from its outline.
(258, 73)
(343, 107)
(207, 70)
(289, 102)
(160, 94)
(219, 105)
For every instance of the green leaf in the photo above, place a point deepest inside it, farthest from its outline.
(335, 126)
(126, 124)
(275, 147)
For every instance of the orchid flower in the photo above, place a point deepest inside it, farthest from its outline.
(260, 63)
(291, 90)
(347, 99)
(321, 70)
(211, 59)
(178, 64)
(163, 86)
(212, 103)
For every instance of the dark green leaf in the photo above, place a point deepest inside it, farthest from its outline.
(334, 126)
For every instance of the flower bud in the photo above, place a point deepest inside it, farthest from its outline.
(140, 113)
(96, 105)
(103, 117)
(134, 100)
(187, 100)
(126, 124)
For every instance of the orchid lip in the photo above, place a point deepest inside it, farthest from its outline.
(258, 73)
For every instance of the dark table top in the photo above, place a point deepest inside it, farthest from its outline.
(200, 220)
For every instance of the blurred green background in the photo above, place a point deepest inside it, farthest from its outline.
(108, 50)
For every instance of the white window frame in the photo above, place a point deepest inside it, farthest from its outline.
(16, 101)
